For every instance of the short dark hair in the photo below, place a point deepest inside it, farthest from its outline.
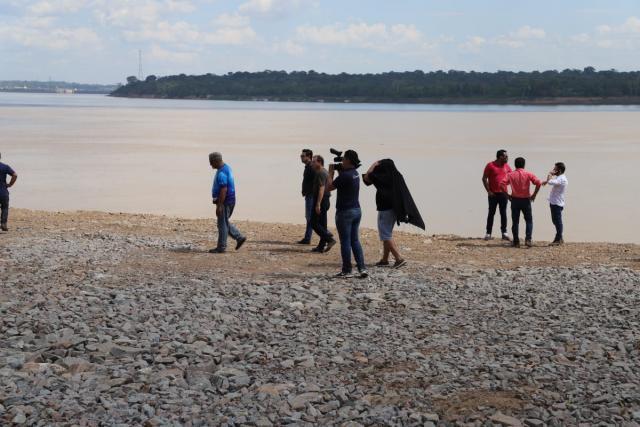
(320, 159)
(520, 162)
(353, 158)
(500, 153)
(561, 167)
(307, 152)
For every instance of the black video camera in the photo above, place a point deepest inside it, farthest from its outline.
(338, 159)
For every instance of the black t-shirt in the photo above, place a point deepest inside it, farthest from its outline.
(384, 188)
(348, 186)
(308, 178)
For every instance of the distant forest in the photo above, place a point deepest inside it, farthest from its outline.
(570, 86)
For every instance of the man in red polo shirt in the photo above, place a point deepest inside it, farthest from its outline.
(520, 181)
(492, 177)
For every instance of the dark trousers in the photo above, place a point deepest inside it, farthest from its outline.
(319, 222)
(4, 208)
(498, 199)
(556, 217)
(519, 206)
(348, 225)
(308, 210)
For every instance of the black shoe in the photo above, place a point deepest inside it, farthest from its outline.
(515, 244)
(343, 275)
(400, 263)
(317, 249)
(216, 251)
(382, 263)
(363, 273)
(4, 227)
(304, 242)
(240, 243)
(331, 243)
(557, 243)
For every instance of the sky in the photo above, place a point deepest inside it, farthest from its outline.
(97, 41)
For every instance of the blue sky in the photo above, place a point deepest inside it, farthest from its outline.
(98, 40)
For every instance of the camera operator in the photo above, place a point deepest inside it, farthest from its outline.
(380, 174)
(348, 213)
(321, 204)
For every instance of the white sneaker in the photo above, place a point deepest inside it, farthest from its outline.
(506, 237)
(487, 237)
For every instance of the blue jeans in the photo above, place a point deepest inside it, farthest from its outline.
(521, 206)
(348, 224)
(4, 207)
(225, 228)
(308, 210)
(556, 218)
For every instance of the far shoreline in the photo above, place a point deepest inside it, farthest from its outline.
(541, 102)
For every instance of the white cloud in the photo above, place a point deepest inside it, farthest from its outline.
(527, 32)
(231, 36)
(473, 43)
(128, 13)
(271, 7)
(165, 55)
(232, 20)
(377, 36)
(580, 38)
(185, 33)
(630, 26)
(519, 37)
(54, 7)
(290, 47)
(622, 36)
(166, 32)
(40, 32)
(360, 34)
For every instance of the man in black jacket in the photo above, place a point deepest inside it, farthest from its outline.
(308, 178)
(394, 204)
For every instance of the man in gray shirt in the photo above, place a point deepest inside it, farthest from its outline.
(321, 205)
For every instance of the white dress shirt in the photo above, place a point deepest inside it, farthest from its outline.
(558, 188)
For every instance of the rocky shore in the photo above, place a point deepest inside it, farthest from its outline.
(116, 319)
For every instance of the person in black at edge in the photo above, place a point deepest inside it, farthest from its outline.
(348, 213)
(307, 192)
(394, 204)
(321, 205)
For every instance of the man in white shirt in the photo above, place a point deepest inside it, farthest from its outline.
(558, 182)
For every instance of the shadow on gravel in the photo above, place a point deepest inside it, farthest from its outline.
(188, 251)
(483, 245)
(333, 265)
(287, 250)
(271, 242)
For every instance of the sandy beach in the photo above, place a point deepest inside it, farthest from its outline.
(123, 319)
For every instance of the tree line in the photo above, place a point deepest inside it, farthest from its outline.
(581, 86)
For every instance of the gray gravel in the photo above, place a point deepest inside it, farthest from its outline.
(82, 343)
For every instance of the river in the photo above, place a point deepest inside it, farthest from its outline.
(93, 152)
